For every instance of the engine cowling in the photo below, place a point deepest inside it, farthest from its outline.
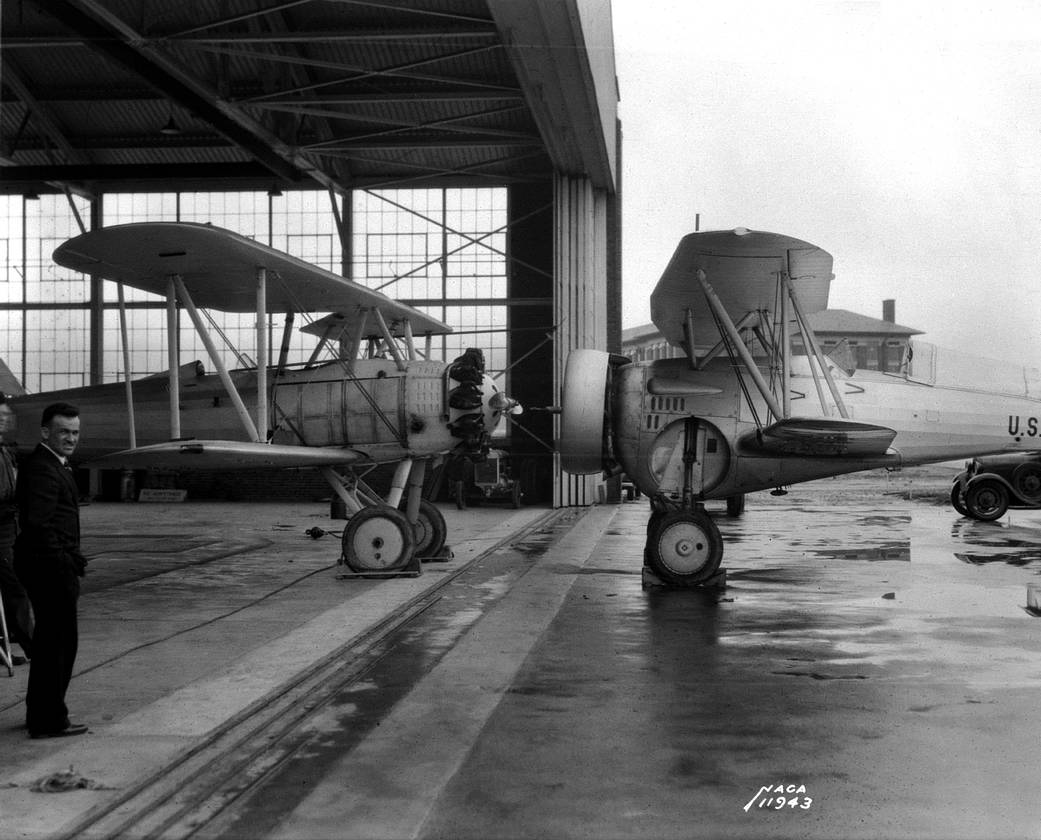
(584, 421)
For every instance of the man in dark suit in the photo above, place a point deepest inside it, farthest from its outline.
(17, 611)
(48, 561)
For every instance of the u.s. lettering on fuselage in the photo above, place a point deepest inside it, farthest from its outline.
(1023, 426)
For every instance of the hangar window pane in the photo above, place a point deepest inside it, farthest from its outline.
(11, 340)
(242, 212)
(11, 262)
(49, 222)
(146, 330)
(57, 355)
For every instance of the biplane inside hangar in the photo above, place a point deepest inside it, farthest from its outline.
(379, 399)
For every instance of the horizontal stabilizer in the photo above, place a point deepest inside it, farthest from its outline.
(9, 383)
(225, 455)
(822, 436)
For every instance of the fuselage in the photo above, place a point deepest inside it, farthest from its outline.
(651, 403)
(385, 412)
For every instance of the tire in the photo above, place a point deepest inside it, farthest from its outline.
(736, 505)
(515, 495)
(431, 530)
(684, 549)
(378, 539)
(1026, 481)
(986, 500)
(956, 499)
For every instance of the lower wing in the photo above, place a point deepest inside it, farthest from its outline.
(225, 455)
(822, 436)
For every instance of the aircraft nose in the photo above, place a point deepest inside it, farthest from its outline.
(506, 405)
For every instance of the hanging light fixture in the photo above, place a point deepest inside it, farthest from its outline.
(171, 128)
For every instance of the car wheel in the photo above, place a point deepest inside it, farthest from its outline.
(956, 499)
(1026, 480)
(986, 500)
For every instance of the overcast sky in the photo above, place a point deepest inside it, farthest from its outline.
(902, 137)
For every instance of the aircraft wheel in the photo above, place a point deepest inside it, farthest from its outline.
(378, 539)
(736, 505)
(986, 500)
(956, 499)
(684, 548)
(652, 523)
(515, 495)
(1027, 481)
(431, 530)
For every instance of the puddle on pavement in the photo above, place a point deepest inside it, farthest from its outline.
(993, 543)
(898, 551)
(1017, 558)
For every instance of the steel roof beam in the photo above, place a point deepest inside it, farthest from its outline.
(112, 37)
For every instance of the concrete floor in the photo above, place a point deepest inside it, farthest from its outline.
(871, 653)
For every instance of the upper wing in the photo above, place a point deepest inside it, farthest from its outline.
(225, 455)
(219, 269)
(742, 267)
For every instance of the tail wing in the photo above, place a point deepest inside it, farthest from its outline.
(9, 383)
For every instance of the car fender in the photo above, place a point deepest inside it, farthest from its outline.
(989, 476)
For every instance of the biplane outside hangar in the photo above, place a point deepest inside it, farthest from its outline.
(106, 102)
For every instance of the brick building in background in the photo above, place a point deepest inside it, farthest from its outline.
(873, 344)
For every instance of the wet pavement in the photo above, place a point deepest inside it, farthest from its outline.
(870, 670)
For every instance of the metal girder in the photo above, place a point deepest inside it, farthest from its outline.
(112, 36)
(40, 113)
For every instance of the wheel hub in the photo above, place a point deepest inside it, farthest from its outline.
(684, 547)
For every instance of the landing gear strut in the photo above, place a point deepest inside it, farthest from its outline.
(684, 546)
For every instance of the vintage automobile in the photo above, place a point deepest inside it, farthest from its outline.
(487, 480)
(989, 486)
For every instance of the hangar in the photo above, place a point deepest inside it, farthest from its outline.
(460, 155)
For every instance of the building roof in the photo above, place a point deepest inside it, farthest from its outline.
(640, 333)
(852, 323)
(113, 95)
(840, 321)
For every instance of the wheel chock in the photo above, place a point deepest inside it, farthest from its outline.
(443, 556)
(717, 581)
(410, 569)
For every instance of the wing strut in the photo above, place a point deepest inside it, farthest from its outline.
(721, 345)
(262, 360)
(810, 342)
(124, 338)
(688, 334)
(173, 356)
(739, 345)
(392, 345)
(786, 354)
(218, 362)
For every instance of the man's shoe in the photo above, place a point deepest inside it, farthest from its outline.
(71, 729)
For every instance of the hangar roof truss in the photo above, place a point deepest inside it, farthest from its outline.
(144, 94)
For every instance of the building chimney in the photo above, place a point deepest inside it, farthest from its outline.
(889, 310)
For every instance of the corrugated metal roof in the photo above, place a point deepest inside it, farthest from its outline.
(348, 94)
